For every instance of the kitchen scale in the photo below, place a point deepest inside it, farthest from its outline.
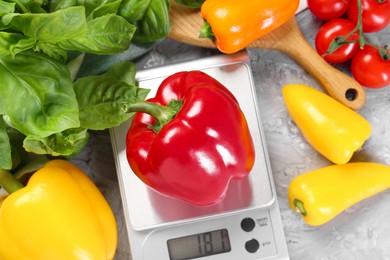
(245, 225)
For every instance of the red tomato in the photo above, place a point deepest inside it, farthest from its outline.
(375, 16)
(328, 32)
(328, 9)
(369, 69)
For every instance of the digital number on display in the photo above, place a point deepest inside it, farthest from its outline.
(199, 245)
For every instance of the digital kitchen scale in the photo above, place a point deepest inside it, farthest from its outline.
(245, 225)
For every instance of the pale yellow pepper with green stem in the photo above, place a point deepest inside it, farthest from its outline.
(322, 194)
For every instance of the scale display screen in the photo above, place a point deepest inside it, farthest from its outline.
(199, 245)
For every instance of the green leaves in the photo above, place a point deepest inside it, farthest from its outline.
(55, 115)
(41, 110)
(68, 29)
(107, 34)
(104, 99)
(65, 143)
(37, 94)
(133, 10)
(6, 8)
(151, 17)
(8, 42)
(51, 27)
(5, 147)
(191, 3)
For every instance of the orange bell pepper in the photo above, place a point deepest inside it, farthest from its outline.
(235, 25)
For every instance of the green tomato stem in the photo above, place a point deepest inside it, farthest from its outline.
(340, 40)
(384, 52)
(162, 114)
(9, 182)
(359, 24)
(358, 28)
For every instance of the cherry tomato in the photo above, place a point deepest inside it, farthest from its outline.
(328, 9)
(370, 69)
(330, 31)
(375, 14)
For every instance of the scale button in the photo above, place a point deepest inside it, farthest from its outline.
(248, 224)
(252, 245)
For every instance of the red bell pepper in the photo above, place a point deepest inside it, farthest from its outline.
(190, 140)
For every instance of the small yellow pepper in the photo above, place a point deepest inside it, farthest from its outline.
(322, 194)
(331, 128)
(60, 214)
(234, 25)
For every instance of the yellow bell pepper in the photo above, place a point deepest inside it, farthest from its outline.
(60, 214)
(331, 128)
(322, 194)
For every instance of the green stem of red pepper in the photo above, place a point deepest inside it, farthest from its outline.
(9, 182)
(162, 114)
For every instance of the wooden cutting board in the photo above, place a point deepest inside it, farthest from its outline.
(288, 39)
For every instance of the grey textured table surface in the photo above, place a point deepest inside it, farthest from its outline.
(361, 232)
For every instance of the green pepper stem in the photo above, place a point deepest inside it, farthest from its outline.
(206, 31)
(162, 114)
(300, 207)
(9, 182)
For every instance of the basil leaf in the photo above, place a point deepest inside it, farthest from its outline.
(42, 89)
(52, 50)
(51, 27)
(93, 8)
(56, 5)
(30, 6)
(6, 20)
(107, 34)
(104, 99)
(6, 8)
(133, 10)
(123, 71)
(150, 16)
(191, 3)
(5, 148)
(110, 7)
(8, 41)
(66, 143)
(22, 45)
(155, 24)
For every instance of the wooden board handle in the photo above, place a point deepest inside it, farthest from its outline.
(289, 40)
